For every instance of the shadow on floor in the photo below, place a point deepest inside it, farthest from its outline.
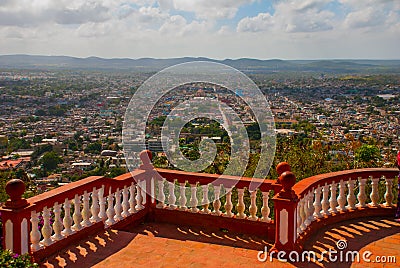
(357, 235)
(203, 235)
(90, 251)
(133, 246)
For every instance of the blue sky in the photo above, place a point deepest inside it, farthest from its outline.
(286, 29)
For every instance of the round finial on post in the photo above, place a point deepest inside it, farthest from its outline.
(145, 157)
(281, 168)
(287, 179)
(15, 188)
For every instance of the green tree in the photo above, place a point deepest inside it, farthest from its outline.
(367, 156)
(94, 148)
(41, 149)
(116, 171)
(50, 160)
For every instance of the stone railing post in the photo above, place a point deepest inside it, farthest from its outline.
(15, 218)
(285, 206)
(145, 157)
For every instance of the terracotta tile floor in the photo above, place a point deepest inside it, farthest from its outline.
(164, 245)
(380, 236)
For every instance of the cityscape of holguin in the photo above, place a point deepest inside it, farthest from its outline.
(198, 133)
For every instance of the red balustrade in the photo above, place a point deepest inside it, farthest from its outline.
(44, 223)
(327, 198)
(48, 222)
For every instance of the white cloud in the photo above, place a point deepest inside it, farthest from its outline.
(168, 28)
(367, 17)
(166, 4)
(33, 13)
(262, 22)
(292, 16)
(151, 15)
(372, 15)
(209, 9)
(178, 25)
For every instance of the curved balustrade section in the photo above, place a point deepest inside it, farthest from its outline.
(347, 192)
(216, 195)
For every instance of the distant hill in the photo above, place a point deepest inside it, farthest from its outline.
(244, 64)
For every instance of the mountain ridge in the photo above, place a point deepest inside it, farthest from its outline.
(25, 61)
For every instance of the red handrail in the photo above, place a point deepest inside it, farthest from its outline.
(79, 187)
(303, 186)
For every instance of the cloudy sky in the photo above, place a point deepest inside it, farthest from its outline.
(286, 29)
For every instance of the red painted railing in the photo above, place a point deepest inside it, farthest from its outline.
(48, 222)
(42, 224)
(328, 198)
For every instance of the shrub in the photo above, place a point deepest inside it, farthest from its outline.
(12, 260)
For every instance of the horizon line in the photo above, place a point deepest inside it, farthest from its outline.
(199, 57)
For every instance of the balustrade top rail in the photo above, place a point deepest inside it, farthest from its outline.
(302, 187)
(79, 187)
(225, 180)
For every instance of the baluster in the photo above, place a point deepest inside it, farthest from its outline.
(110, 209)
(351, 198)
(374, 194)
(205, 199)
(317, 203)
(85, 211)
(35, 233)
(228, 203)
(125, 202)
(67, 221)
(217, 202)
(77, 213)
(153, 190)
(303, 208)
(253, 206)
(307, 208)
(143, 187)
(193, 198)
(117, 207)
(389, 194)
(265, 210)
(46, 229)
(299, 208)
(342, 196)
(325, 200)
(57, 224)
(333, 200)
(139, 197)
(311, 208)
(102, 202)
(95, 206)
(182, 196)
(132, 198)
(171, 195)
(241, 206)
(161, 195)
(362, 197)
